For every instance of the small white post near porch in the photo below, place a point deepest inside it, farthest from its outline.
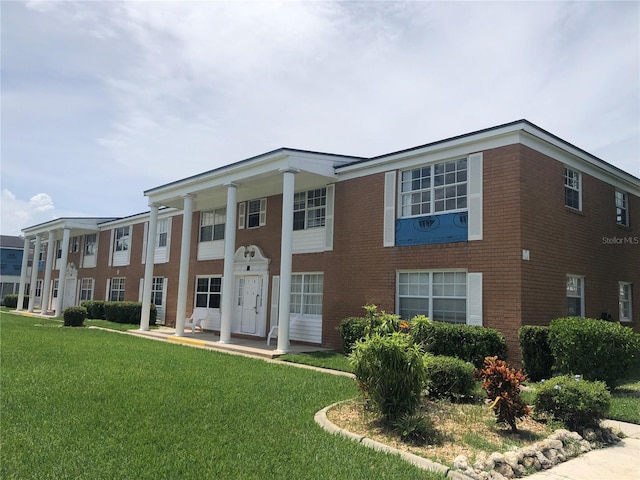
(185, 251)
(23, 272)
(148, 268)
(62, 272)
(46, 288)
(228, 279)
(35, 265)
(286, 257)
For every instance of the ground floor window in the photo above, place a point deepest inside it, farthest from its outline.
(208, 292)
(441, 296)
(38, 290)
(306, 293)
(157, 289)
(624, 301)
(116, 290)
(575, 296)
(86, 289)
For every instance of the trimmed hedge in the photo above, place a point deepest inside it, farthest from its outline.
(537, 359)
(467, 342)
(351, 330)
(74, 316)
(595, 349)
(578, 404)
(95, 309)
(448, 377)
(11, 301)
(127, 312)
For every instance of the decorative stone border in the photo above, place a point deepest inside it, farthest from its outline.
(518, 462)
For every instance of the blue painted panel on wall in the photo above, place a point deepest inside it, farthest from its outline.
(10, 261)
(430, 229)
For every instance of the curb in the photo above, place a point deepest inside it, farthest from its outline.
(420, 462)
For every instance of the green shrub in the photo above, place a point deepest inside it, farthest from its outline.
(127, 312)
(502, 384)
(578, 404)
(416, 429)
(448, 377)
(74, 316)
(351, 330)
(11, 301)
(595, 349)
(536, 352)
(390, 372)
(467, 342)
(95, 309)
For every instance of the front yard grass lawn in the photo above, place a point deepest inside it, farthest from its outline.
(91, 404)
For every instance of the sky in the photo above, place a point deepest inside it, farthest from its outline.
(101, 101)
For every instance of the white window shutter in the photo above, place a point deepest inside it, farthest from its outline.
(113, 234)
(140, 289)
(144, 242)
(275, 299)
(168, 249)
(474, 299)
(263, 212)
(107, 291)
(389, 234)
(474, 167)
(328, 218)
(242, 209)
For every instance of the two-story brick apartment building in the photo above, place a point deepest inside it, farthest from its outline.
(501, 227)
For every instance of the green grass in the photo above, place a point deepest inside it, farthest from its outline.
(87, 403)
(332, 360)
(625, 399)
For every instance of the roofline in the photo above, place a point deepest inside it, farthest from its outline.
(59, 219)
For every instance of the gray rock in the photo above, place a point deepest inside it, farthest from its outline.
(461, 462)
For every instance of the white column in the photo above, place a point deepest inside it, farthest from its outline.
(185, 252)
(62, 272)
(228, 280)
(23, 272)
(148, 267)
(286, 256)
(46, 287)
(35, 265)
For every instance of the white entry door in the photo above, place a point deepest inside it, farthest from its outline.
(249, 307)
(69, 298)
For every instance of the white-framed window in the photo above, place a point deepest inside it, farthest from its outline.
(309, 209)
(575, 296)
(624, 301)
(122, 239)
(54, 289)
(74, 244)
(38, 291)
(572, 189)
(306, 293)
(208, 292)
(58, 249)
(622, 209)
(252, 214)
(441, 296)
(157, 291)
(212, 224)
(117, 289)
(90, 243)
(437, 188)
(86, 289)
(162, 233)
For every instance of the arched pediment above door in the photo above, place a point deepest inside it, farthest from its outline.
(250, 258)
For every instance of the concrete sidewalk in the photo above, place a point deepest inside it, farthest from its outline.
(620, 461)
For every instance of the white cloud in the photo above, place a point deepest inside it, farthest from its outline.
(18, 213)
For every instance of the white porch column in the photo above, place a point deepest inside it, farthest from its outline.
(46, 287)
(185, 252)
(228, 281)
(62, 273)
(35, 265)
(286, 256)
(23, 272)
(148, 267)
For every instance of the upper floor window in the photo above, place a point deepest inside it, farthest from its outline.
(437, 188)
(309, 209)
(622, 209)
(162, 234)
(252, 214)
(90, 242)
(624, 301)
(572, 189)
(212, 224)
(122, 239)
(306, 293)
(575, 296)
(74, 244)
